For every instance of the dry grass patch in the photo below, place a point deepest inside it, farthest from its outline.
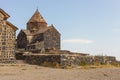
(98, 65)
(52, 65)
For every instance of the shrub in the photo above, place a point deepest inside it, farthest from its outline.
(116, 64)
(83, 63)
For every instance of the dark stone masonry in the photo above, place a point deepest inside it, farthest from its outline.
(7, 39)
(65, 60)
(75, 60)
(40, 59)
(38, 36)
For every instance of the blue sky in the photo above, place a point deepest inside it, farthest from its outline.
(89, 26)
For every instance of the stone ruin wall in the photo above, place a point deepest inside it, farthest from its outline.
(41, 59)
(67, 59)
(74, 60)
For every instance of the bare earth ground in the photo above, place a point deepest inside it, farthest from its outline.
(32, 72)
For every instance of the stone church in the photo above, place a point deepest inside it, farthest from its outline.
(7, 39)
(37, 35)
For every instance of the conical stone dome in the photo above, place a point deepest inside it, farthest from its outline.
(36, 22)
(37, 17)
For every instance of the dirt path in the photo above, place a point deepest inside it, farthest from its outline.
(28, 72)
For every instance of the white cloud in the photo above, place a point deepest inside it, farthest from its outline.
(77, 41)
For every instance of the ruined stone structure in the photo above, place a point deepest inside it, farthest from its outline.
(65, 60)
(7, 39)
(38, 36)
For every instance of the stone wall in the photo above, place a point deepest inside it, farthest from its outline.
(104, 59)
(22, 40)
(7, 39)
(39, 59)
(20, 56)
(65, 60)
(73, 60)
(51, 38)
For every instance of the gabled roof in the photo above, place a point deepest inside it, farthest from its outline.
(41, 31)
(52, 26)
(14, 27)
(37, 17)
(5, 14)
(27, 32)
(45, 29)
